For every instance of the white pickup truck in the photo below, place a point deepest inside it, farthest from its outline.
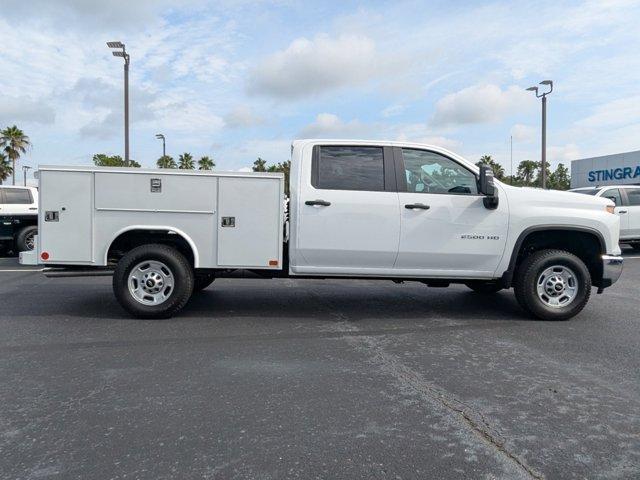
(357, 209)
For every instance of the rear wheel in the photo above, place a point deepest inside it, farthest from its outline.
(153, 281)
(552, 285)
(484, 287)
(25, 241)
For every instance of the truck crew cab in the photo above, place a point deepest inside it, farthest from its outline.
(18, 217)
(357, 209)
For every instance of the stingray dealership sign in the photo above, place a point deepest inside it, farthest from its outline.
(617, 169)
(619, 173)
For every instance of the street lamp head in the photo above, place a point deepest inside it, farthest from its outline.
(115, 44)
(533, 89)
(546, 82)
(118, 54)
(159, 135)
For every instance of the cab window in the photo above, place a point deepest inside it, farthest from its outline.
(17, 196)
(430, 172)
(348, 168)
(613, 194)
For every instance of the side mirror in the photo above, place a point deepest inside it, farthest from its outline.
(488, 188)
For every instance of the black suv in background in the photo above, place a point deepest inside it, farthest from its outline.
(18, 218)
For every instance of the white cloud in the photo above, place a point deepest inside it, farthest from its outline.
(309, 67)
(242, 116)
(119, 14)
(330, 125)
(622, 111)
(523, 133)
(393, 110)
(25, 109)
(563, 153)
(480, 104)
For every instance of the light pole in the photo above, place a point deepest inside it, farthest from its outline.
(25, 168)
(160, 136)
(543, 163)
(123, 53)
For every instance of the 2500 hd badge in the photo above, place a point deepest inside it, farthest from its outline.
(480, 237)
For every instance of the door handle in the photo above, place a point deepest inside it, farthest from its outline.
(322, 203)
(420, 206)
(33, 208)
(622, 211)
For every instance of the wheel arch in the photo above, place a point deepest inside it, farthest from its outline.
(135, 235)
(549, 236)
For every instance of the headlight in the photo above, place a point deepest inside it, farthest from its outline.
(611, 208)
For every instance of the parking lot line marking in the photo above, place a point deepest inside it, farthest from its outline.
(633, 257)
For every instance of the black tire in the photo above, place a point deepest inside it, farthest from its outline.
(484, 287)
(635, 246)
(202, 281)
(25, 240)
(529, 272)
(179, 269)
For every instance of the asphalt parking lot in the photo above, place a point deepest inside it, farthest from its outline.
(273, 379)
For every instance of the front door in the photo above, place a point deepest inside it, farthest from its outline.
(621, 209)
(348, 220)
(446, 229)
(633, 212)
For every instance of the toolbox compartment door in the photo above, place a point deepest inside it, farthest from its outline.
(65, 216)
(250, 222)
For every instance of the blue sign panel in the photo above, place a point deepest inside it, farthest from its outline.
(614, 174)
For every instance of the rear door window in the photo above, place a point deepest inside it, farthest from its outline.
(633, 195)
(17, 196)
(348, 168)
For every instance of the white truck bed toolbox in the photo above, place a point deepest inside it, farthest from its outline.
(228, 219)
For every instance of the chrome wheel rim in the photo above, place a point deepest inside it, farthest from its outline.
(151, 282)
(557, 286)
(29, 241)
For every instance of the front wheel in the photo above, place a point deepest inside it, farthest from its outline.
(153, 281)
(552, 285)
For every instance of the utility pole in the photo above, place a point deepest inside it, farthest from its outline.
(123, 53)
(25, 168)
(511, 156)
(543, 155)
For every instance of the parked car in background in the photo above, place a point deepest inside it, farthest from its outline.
(627, 200)
(18, 217)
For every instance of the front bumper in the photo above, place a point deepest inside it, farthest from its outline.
(611, 269)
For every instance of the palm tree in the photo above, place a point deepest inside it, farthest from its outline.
(166, 161)
(185, 162)
(526, 170)
(14, 143)
(498, 170)
(206, 163)
(260, 165)
(5, 168)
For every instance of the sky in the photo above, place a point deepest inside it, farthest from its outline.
(236, 79)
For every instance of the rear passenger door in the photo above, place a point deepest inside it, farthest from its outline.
(633, 212)
(348, 213)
